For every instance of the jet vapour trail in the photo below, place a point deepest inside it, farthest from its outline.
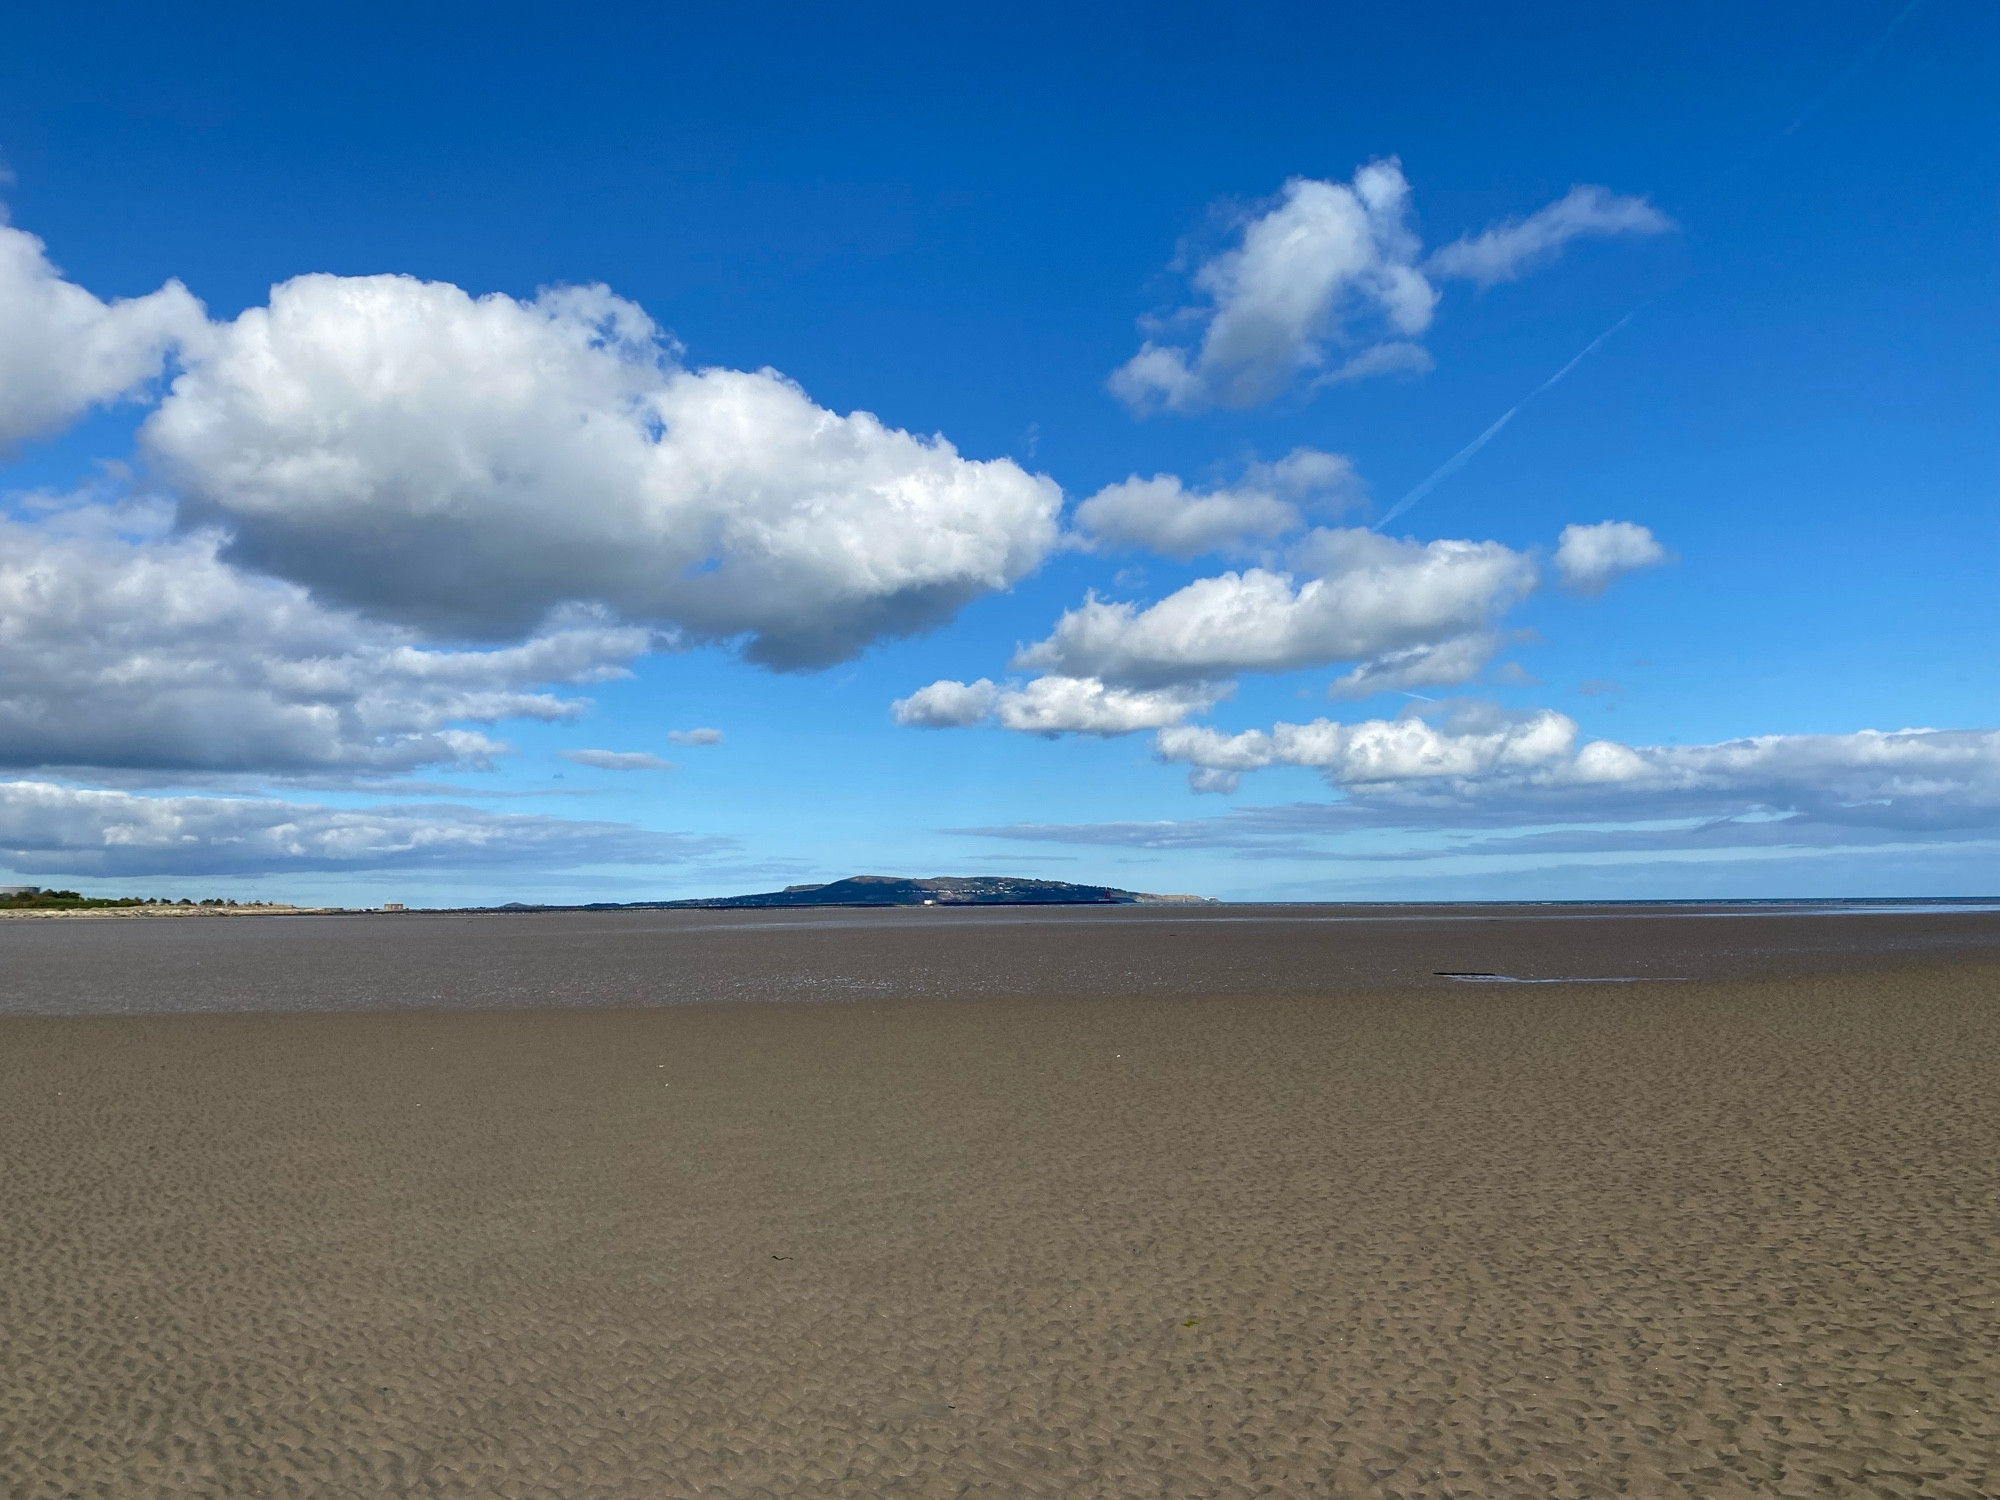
(1459, 459)
(1854, 70)
(1826, 97)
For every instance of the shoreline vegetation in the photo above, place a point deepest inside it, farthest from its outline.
(32, 901)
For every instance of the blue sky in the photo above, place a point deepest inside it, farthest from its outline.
(314, 572)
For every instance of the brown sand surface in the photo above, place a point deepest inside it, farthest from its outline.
(1239, 1209)
(622, 958)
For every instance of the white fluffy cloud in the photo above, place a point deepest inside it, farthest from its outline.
(947, 704)
(1410, 615)
(1369, 595)
(466, 465)
(50, 829)
(1054, 705)
(1506, 250)
(63, 351)
(1589, 558)
(1377, 751)
(1162, 515)
(1325, 262)
(694, 736)
(151, 652)
(1087, 705)
(1328, 284)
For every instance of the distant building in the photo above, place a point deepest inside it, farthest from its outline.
(20, 890)
(392, 906)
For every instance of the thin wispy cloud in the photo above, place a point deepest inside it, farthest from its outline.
(1522, 786)
(1509, 250)
(48, 828)
(617, 760)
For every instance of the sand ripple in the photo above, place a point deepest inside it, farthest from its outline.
(1657, 1240)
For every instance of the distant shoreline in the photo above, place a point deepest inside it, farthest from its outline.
(100, 913)
(1691, 905)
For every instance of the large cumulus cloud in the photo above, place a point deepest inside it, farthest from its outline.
(467, 464)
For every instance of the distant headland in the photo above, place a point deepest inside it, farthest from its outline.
(893, 890)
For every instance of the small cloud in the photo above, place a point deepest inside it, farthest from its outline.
(1320, 269)
(617, 760)
(946, 704)
(1162, 515)
(694, 736)
(1599, 687)
(1590, 558)
(1055, 705)
(1513, 674)
(1328, 283)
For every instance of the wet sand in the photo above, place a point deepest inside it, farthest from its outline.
(1067, 1204)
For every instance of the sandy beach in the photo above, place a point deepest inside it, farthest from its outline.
(1230, 1203)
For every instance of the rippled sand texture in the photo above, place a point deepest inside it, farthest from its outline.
(1704, 1239)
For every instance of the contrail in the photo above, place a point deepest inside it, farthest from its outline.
(1854, 70)
(1459, 459)
(1826, 96)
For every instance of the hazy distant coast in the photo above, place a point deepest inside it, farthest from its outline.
(855, 890)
